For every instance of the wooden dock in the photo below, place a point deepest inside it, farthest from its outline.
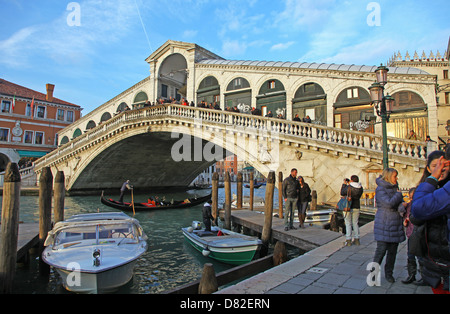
(28, 238)
(307, 238)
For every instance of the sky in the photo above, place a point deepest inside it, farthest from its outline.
(92, 50)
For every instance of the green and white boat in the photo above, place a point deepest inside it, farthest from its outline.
(221, 244)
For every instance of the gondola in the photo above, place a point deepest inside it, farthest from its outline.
(147, 206)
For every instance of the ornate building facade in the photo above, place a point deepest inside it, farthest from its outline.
(436, 64)
(335, 95)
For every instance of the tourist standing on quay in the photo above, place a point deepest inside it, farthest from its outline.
(355, 190)
(304, 197)
(290, 190)
(388, 226)
(126, 185)
(431, 205)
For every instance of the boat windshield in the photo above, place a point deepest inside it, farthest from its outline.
(96, 234)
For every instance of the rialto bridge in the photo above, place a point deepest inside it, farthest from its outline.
(169, 145)
(125, 139)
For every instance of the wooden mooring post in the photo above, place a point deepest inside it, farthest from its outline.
(45, 214)
(227, 206)
(9, 228)
(59, 197)
(252, 190)
(208, 282)
(268, 211)
(239, 188)
(280, 195)
(215, 196)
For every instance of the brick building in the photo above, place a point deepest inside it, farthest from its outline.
(30, 121)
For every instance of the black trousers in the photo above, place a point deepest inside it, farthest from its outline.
(390, 250)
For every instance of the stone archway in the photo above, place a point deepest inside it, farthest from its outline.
(172, 77)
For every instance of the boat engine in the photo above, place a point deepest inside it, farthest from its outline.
(197, 225)
(96, 256)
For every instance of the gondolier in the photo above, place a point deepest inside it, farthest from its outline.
(126, 185)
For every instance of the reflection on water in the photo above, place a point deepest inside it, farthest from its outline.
(169, 262)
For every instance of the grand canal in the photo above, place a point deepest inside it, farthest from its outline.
(169, 262)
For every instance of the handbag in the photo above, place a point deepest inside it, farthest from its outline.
(345, 202)
(417, 241)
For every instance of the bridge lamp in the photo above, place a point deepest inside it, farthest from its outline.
(384, 106)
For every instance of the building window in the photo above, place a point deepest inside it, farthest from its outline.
(60, 115)
(28, 137)
(338, 121)
(40, 112)
(39, 140)
(352, 93)
(6, 105)
(4, 135)
(447, 98)
(164, 89)
(70, 116)
(28, 110)
(271, 84)
(445, 74)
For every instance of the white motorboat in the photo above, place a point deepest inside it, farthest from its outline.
(258, 202)
(95, 253)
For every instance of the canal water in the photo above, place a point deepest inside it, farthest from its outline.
(169, 262)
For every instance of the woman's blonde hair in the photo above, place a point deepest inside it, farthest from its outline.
(387, 175)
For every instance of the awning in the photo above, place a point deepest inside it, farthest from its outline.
(31, 154)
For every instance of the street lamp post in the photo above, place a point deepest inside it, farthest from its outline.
(383, 105)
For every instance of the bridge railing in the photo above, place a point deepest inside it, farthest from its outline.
(402, 147)
(348, 138)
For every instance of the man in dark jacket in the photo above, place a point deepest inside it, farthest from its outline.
(207, 215)
(290, 190)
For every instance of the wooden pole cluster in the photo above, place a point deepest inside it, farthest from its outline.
(10, 227)
(268, 212)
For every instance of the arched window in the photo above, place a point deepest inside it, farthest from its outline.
(310, 100)
(209, 91)
(272, 97)
(105, 117)
(64, 140)
(77, 133)
(122, 107)
(91, 124)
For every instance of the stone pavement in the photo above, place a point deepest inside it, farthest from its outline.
(331, 269)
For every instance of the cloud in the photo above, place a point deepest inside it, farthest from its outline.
(102, 23)
(233, 48)
(282, 46)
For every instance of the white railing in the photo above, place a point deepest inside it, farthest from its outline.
(346, 139)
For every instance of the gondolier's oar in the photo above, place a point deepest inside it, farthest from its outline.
(132, 201)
